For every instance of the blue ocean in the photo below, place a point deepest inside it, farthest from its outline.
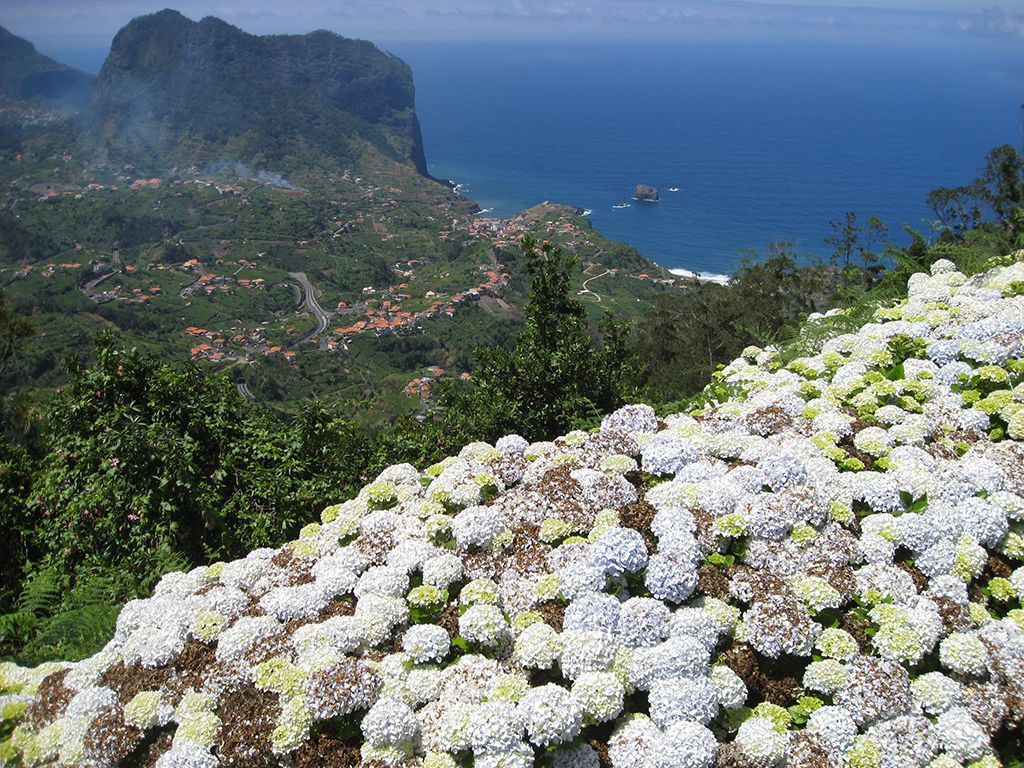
(763, 141)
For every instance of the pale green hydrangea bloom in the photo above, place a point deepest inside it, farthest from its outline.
(427, 596)
(381, 494)
(604, 521)
(1013, 545)
(436, 525)
(874, 441)
(479, 591)
(619, 464)
(779, 716)
(727, 616)
(305, 548)
(576, 439)
(480, 452)
(208, 624)
(1001, 589)
(835, 643)
(600, 694)
(826, 676)
(508, 688)
(1017, 617)
(197, 724)
(865, 753)
(547, 588)
(292, 726)
(964, 653)
(503, 540)
(553, 530)
(428, 508)
(732, 525)
(970, 558)
(436, 469)
(841, 513)
(898, 642)
(143, 711)
(439, 760)
(280, 676)
(522, 620)
(817, 594)
(803, 534)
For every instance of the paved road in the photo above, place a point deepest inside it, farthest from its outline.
(244, 391)
(322, 318)
(585, 289)
(90, 285)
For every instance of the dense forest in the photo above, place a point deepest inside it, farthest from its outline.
(138, 467)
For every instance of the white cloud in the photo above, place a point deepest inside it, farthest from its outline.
(481, 19)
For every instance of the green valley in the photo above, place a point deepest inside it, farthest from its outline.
(332, 268)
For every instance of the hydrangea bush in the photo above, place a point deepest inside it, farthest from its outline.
(822, 570)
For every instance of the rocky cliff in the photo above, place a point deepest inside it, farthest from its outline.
(823, 568)
(174, 92)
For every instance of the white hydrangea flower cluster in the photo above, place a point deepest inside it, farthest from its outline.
(851, 523)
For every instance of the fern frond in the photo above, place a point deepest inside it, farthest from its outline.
(73, 634)
(41, 594)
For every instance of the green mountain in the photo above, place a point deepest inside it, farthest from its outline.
(28, 76)
(175, 93)
(260, 205)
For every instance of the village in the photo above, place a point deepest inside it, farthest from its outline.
(218, 276)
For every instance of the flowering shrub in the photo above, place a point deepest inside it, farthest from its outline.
(824, 572)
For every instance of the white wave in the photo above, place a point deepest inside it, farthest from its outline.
(708, 277)
(586, 212)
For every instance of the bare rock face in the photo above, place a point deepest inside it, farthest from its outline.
(645, 192)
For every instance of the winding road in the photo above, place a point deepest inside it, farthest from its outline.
(585, 289)
(322, 318)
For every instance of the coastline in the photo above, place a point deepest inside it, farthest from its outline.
(707, 277)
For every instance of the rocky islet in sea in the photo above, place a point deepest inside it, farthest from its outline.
(646, 193)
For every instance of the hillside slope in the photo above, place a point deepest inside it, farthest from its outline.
(825, 567)
(27, 75)
(260, 205)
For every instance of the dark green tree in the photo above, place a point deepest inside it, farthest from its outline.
(999, 189)
(144, 455)
(14, 331)
(16, 464)
(691, 332)
(1001, 186)
(556, 375)
(151, 467)
(852, 241)
(957, 210)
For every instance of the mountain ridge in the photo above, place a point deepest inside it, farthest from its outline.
(175, 92)
(164, 213)
(27, 75)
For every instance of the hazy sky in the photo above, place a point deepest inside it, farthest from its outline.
(90, 24)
